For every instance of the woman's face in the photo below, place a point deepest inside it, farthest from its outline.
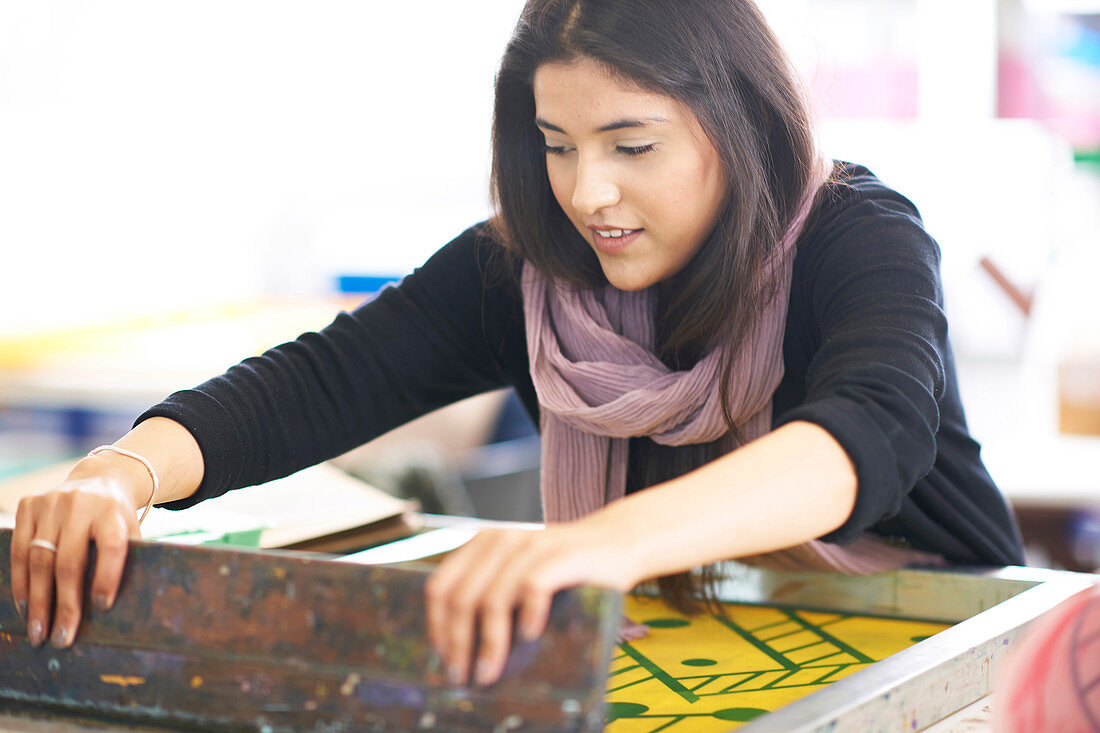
(632, 170)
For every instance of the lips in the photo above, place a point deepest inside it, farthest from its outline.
(610, 240)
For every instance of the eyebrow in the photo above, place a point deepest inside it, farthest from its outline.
(616, 125)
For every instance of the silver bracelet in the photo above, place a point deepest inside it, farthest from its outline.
(148, 467)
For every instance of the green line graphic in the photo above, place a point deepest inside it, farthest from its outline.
(780, 622)
(810, 662)
(744, 634)
(856, 654)
(630, 684)
(780, 636)
(614, 672)
(821, 680)
(807, 646)
(775, 683)
(735, 685)
(831, 659)
(659, 674)
(705, 682)
(838, 619)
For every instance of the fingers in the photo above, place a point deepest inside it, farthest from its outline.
(111, 536)
(537, 594)
(508, 589)
(454, 594)
(70, 564)
(479, 587)
(40, 571)
(50, 546)
(20, 545)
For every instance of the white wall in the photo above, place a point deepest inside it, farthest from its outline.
(155, 155)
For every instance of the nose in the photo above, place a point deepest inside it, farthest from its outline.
(594, 188)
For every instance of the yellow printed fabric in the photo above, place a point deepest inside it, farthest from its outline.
(705, 673)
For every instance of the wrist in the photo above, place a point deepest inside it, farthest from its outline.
(613, 528)
(129, 476)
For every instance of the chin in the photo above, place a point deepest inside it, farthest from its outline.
(629, 283)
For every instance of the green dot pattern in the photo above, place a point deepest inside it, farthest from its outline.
(667, 623)
(699, 662)
(740, 715)
(616, 710)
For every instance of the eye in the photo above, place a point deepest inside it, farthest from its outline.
(555, 149)
(642, 150)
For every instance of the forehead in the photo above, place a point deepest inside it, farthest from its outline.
(584, 90)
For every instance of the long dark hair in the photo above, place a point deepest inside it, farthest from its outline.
(720, 59)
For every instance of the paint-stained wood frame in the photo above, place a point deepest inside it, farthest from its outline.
(220, 639)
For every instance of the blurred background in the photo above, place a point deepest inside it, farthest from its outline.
(186, 184)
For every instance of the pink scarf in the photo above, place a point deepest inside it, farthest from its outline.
(599, 383)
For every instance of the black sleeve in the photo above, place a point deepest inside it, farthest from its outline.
(416, 347)
(870, 287)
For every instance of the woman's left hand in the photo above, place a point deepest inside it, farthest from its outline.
(501, 570)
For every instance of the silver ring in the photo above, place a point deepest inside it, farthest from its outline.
(44, 544)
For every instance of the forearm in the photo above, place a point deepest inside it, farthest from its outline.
(791, 486)
(167, 445)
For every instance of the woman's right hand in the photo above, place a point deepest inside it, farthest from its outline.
(96, 506)
(97, 503)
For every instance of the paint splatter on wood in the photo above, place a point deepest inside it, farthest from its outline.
(123, 680)
(215, 638)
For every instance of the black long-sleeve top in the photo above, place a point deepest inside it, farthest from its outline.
(865, 350)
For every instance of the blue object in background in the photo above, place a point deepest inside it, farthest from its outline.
(1085, 46)
(33, 437)
(365, 284)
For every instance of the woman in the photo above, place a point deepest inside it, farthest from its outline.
(685, 297)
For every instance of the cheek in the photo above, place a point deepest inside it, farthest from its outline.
(561, 185)
(673, 197)
(702, 193)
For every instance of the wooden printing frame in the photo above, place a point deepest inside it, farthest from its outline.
(223, 639)
(930, 680)
(920, 685)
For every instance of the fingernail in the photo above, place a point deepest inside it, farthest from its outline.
(454, 673)
(60, 637)
(100, 602)
(34, 633)
(484, 672)
(528, 633)
(21, 606)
